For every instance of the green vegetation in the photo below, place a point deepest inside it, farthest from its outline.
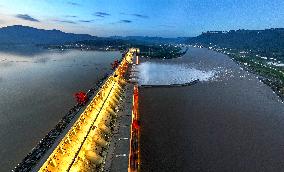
(268, 42)
(269, 74)
(148, 50)
(258, 51)
(166, 51)
(100, 44)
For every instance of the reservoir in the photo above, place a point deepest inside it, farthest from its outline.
(37, 89)
(229, 121)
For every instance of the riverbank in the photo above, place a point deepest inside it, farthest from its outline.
(271, 75)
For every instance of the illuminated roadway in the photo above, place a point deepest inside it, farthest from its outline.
(85, 145)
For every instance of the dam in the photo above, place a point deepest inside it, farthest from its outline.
(199, 112)
(87, 144)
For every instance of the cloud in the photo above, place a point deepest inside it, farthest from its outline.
(125, 21)
(65, 21)
(136, 15)
(73, 3)
(71, 16)
(140, 16)
(101, 14)
(86, 21)
(26, 17)
(121, 21)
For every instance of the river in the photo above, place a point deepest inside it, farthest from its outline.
(36, 90)
(229, 121)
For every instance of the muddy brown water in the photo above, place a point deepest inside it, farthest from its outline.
(232, 123)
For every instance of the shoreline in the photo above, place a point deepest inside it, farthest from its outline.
(261, 77)
(267, 81)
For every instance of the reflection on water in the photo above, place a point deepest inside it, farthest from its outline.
(37, 90)
(22, 49)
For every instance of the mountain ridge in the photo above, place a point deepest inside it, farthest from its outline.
(18, 34)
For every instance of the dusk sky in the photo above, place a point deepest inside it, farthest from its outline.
(167, 18)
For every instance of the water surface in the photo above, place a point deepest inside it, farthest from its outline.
(230, 123)
(36, 90)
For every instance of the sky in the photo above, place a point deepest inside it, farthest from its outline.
(166, 18)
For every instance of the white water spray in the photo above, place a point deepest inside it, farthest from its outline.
(150, 73)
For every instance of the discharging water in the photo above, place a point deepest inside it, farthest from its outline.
(155, 73)
(228, 122)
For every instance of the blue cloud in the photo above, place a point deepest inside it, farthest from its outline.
(27, 17)
(101, 14)
(65, 21)
(140, 15)
(125, 21)
(73, 3)
(71, 16)
(85, 21)
(136, 15)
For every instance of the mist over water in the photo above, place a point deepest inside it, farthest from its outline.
(154, 73)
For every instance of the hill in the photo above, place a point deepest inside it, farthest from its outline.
(19, 34)
(150, 40)
(263, 40)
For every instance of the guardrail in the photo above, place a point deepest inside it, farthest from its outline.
(134, 153)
